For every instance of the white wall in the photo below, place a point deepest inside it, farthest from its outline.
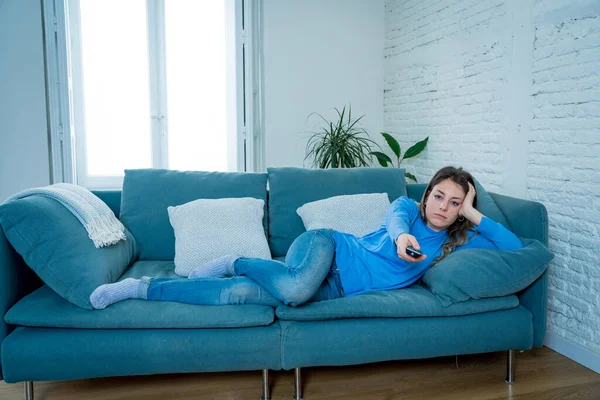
(510, 91)
(319, 55)
(445, 73)
(564, 160)
(23, 127)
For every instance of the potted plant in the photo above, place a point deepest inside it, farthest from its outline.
(341, 143)
(414, 150)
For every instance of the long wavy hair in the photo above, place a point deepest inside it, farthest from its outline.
(457, 232)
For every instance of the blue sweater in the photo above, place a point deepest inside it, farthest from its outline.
(372, 263)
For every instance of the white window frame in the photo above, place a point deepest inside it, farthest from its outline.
(65, 100)
(58, 91)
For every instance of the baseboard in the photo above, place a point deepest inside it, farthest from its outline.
(572, 350)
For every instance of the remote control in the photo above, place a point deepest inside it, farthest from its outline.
(414, 253)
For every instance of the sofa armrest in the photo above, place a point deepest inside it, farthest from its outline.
(529, 219)
(16, 281)
(535, 299)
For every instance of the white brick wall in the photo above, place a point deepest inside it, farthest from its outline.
(564, 163)
(510, 90)
(437, 84)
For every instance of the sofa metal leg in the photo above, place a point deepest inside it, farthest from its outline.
(510, 367)
(297, 384)
(29, 390)
(266, 395)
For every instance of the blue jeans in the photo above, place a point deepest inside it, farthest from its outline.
(309, 273)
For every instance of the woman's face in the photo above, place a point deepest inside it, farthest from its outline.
(443, 204)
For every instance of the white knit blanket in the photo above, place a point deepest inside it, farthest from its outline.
(97, 218)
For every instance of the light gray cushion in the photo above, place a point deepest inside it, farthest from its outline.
(209, 228)
(357, 214)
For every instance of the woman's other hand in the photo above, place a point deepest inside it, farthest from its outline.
(467, 210)
(402, 242)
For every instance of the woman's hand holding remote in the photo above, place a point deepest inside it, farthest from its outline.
(405, 240)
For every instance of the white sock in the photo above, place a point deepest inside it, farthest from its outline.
(105, 295)
(217, 268)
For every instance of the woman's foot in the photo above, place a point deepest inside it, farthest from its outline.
(217, 268)
(105, 295)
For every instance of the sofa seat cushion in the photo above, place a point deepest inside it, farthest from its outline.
(413, 301)
(44, 308)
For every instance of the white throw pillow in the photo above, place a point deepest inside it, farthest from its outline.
(357, 214)
(209, 228)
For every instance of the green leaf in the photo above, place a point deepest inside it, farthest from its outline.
(382, 162)
(410, 176)
(416, 149)
(393, 143)
(383, 158)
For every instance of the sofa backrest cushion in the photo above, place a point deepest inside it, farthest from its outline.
(488, 207)
(56, 246)
(112, 198)
(290, 188)
(147, 193)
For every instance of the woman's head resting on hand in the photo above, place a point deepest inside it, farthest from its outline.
(440, 208)
(443, 198)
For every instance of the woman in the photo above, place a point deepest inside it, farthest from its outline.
(325, 264)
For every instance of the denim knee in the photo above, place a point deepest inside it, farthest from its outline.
(295, 295)
(325, 234)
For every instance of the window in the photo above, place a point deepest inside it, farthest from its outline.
(152, 83)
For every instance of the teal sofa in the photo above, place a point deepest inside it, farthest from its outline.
(46, 338)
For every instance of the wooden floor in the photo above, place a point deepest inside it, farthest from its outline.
(540, 374)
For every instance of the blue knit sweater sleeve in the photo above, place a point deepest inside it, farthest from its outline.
(400, 216)
(490, 234)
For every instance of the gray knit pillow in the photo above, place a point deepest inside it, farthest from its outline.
(357, 214)
(209, 228)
